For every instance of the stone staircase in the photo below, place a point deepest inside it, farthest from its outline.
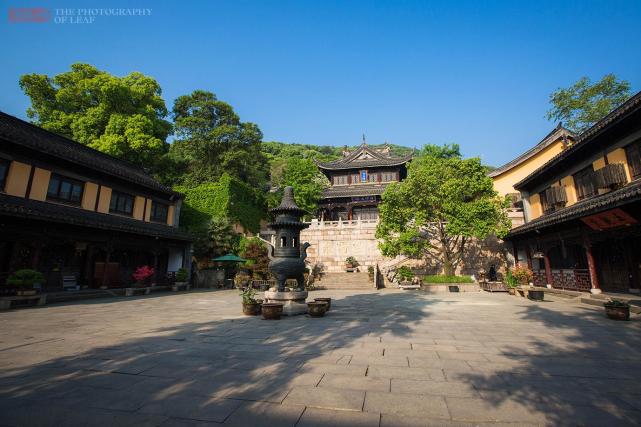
(345, 281)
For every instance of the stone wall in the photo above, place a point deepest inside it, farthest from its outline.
(333, 241)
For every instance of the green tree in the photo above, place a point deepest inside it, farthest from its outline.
(308, 183)
(445, 151)
(254, 251)
(443, 203)
(583, 104)
(211, 140)
(121, 116)
(214, 238)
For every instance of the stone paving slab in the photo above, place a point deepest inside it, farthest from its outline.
(387, 358)
(410, 405)
(326, 397)
(315, 417)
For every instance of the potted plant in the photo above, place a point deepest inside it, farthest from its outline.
(511, 282)
(251, 307)
(142, 275)
(24, 281)
(370, 273)
(350, 262)
(617, 310)
(405, 275)
(181, 277)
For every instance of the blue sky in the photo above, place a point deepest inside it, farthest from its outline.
(324, 72)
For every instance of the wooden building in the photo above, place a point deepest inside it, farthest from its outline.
(583, 209)
(357, 181)
(77, 214)
(515, 170)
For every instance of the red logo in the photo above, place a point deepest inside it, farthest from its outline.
(21, 15)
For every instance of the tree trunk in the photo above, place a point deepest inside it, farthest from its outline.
(448, 268)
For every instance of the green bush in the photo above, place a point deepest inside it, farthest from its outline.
(447, 279)
(26, 278)
(227, 198)
(181, 275)
(405, 272)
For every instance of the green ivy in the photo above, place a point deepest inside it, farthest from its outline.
(228, 198)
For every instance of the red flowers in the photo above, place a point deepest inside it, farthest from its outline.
(143, 273)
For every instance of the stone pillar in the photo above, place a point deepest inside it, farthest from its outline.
(594, 278)
(548, 269)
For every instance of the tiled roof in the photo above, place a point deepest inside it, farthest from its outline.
(28, 135)
(44, 211)
(611, 200)
(558, 132)
(354, 190)
(362, 157)
(630, 106)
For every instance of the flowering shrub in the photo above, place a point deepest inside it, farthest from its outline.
(522, 274)
(143, 273)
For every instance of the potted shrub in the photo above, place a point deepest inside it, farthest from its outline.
(522, 274)
(370, 273)
(405, 275)
(251, 307)
(181, 276)
(511, 282)
(350, 262)
(142, 275)
(24, 281)
(617, 310)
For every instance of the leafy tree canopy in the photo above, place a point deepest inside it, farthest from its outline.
(583, 104)
(121, 116)
(211, 140)
(308, 183)
(445, 201)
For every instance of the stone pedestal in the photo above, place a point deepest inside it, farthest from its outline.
(293, 301)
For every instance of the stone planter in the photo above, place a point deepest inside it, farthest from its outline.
(316, 309)
(253, 309)
(535, 295)
(617, 313)
(327, 300)
(272, 311)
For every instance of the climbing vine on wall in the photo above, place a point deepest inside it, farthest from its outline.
(228, 198)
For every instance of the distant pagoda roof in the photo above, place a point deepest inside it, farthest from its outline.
(365, 157)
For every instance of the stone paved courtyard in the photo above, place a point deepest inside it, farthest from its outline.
(385, 358)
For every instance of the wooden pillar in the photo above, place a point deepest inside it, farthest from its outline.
(35, 257)
(528, 254)
(594, 278)
(103, 285)
(548, 269)
(89, 265)
(515, 251)
(154, 278)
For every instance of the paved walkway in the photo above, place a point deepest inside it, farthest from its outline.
(390, 358)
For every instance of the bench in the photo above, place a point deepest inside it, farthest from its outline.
(7, 303)
(129, 292)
